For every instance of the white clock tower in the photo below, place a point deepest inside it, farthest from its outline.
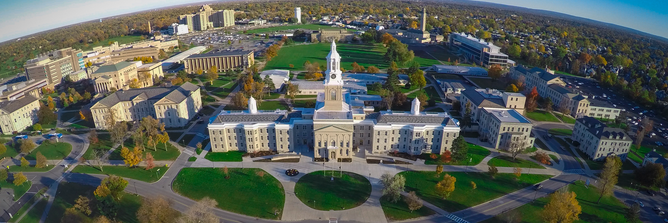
(333, 81)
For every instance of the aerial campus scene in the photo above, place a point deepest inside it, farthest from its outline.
(333, 111)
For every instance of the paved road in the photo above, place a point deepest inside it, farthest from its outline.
(570, 164)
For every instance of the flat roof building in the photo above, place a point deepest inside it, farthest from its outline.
(477, 50)
(490, 98)
(505, 128)
(55, 65)
(222, 60)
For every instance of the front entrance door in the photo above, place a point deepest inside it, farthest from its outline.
(333, 155)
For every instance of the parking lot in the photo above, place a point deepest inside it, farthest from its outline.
(221, 41)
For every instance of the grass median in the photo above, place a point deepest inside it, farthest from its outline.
(137, 173)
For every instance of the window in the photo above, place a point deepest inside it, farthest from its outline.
(332, 95)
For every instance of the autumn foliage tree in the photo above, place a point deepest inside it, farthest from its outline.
(111, 186)
(562, 208)
(542, 157)
(446, 186)
(447, 156)
(495, 71)
(156, 210)
(531, 101)
(131, 158)
(150, 161)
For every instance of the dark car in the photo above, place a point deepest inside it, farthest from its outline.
(649, 192)
(537, 186)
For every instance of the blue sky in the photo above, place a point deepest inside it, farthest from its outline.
(23, 17)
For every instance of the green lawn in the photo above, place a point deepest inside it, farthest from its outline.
(346, 191)
(507, 161)
(138, 173)
(302, 103)
(541, 116)
(272, 96)
(430, 92)
(222, 80)
(52, 151)
(639, 155)
(244, 192)
(399, 211)
(64, 116)
(476, 154)
(104, 144)
(364, 54)
(610, 209)
(272, 105)
(192, 159)
(18, 190)
(293, 27)
(16, 169)
(69, 192)
(160, 153)
(424, 184)
(306, 96)
(567, 74)
(11, 151)
(233, 156)
(35, 214)
(224, 91)
(563, 132)
(489, 83)
(565, 118)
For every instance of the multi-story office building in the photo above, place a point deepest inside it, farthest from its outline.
(551, 86)
(55, 65)
(337, 127)
(18, 114)
(177, 29)
(207, 18)
(173, 106)
(477, 50)
(490, 98)
(223, 61)
(14, 91)
(114, 77)
(298, 14)
(599, 141)
(505, 128)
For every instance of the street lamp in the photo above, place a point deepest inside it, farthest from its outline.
(157, 173)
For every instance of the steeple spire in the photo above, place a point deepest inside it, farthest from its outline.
(415, 107)
(333, 73)
(252, 105)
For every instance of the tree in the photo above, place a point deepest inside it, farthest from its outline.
(548, 104)
(609, 176)
(372, 70)
(269, 83)
(495, 71)
(27, 145)
(650, 175)
(492, 170)
(646, 125)
(563, 108)
(19, 179)
(532, 97)
(212, 74)
(131, 158)
(585, 57)
(512, 88)
(460, 148)
(4, 174)
(24, 162)
(239, 100)
(473, 185)
(117, 130)
(82, 204)
(199, 71)
(517, 172)
(111, 186)
(100, 158)
(514, 51)
(446, 186)
(633, 213)
(292, 90)
(446, 157)
(71, 215)
(156, 210)
(357, 68)
(392, 186)
(41, 160)
(600, 60)
(467, 120)
(417, 79)
(37, 127)
(200, 212)
(413, 201)
(46, 115)
(134, 83)
(562, 208)
(149, 161)
(386, 39)
(542, 157)
(516, 147)
(399, 53)
(3, 148)
(87, 96)
(439, 170)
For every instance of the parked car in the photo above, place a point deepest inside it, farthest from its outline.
(537, 186)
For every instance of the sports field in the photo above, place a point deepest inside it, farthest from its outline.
(364, 54)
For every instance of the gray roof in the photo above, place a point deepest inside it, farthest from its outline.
(565, 91)
(242, 117)
(543, 74)
(507, 115)
(220, 54)
(600, 130)
(599, 103)
(480, 101)
(175, 93)
(113, 67)
(655, 157)
(417, 119)
(12, 106)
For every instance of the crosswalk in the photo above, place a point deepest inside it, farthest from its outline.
(456, 219)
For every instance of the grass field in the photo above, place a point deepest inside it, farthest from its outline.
(424, 184)
(224, 91)
(69, 192)
(476, 154)
(639, 154)
(104, 145)
(541, 116)
(489, 83)
(18, 190)
(160, 153)
(233, 156)
(346, 191)
(52, 151)
(272, 105)
(292, 27)
(610, 209)
(15, 169)
(138, 173)
(306, 96)
(365, 55)
(302, 103)
(399, 211)
(11, 151)
(507, 161)
(563, 132)
(432, 94)
(244, 192)
(565, 118)
(35, 214)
